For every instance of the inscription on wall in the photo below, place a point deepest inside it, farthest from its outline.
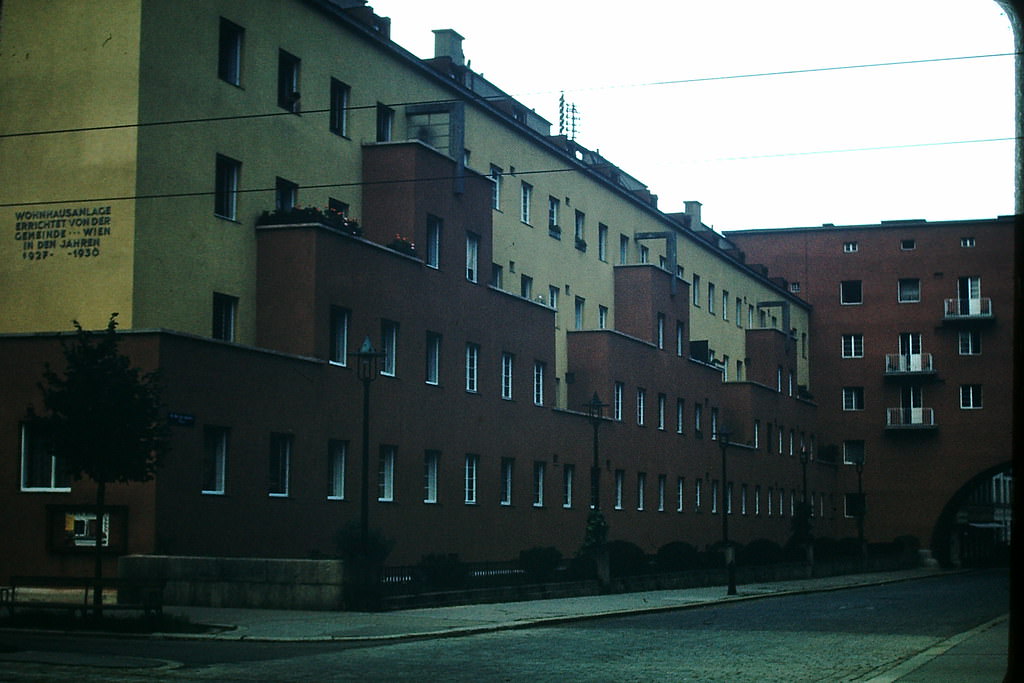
(78, 232)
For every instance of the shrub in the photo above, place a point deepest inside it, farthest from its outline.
(443, 570)
(677, 556)
(626, 559)
(539, 563)
(761, 551)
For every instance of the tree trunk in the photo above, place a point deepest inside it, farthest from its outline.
(97, 593)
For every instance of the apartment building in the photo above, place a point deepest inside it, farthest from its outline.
(261, 193)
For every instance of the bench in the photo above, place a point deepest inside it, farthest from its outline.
(76, 593)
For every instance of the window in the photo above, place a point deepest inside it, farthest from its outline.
(286, 194)
(578, 309)
(288, 81)
(711, 298)
(757, 433)
(641, 486)
(850, 292)
(525, 197)
(336, 458)
(229, 55)
(661, 493)
(698, 417)
(568, 474)
(472, 359)
(225, 310)
(431, 459)
(41, 470)
(538, 484)
(680, 337)
(680, 415)
(578, 230)
(641, 408)
(645, 254)
(602, 317)
(623, 250)
(602, 242)
(853, 398)
(434, 226)
(433, 369)
(386, 474)
(506, 480)
(970, 396)
(908, 244)
(970, 343)
(538, 383)
(695, 286)
(697, 486)
(225, 190)
(680, 488)
(495, 188)
(714, 496)
(280, 464)
(660, 330)
(714, 424)
(526, 287)
(553, 293)
(389, 344)
(853, 346)
(553, 206)
(757, 500)
(661, 411)
(909, 290)
(967, 242)
(620, 477)
(472, 462)
(385, 123)
(338, 116)
(770, 499)
(507, 367)
(339, 319)
(725, 304)
(497, 276)
(472, 256)
(739, 312)
(853, 452)
(617, 401)
(215, 457)
(850, 247)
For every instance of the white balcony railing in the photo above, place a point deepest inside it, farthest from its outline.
(900, 364)
(909, 418)
(956, 309)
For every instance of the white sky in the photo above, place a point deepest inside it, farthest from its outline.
(750, 149)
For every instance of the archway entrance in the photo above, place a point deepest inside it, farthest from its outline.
(975, 527)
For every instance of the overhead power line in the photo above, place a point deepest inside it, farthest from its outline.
(518, 172)
(681, 81)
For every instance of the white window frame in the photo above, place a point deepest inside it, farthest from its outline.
(662, 399)
(337, 458)
(620, 476)
(472, 367)
(339, 322)
(568, 477)
(853, 346)
(906, 292)
(389, 345)
(496, 179)
(662, 480)
(641, 406)
(525, 199)
(281, 446)
(29, 439)
(853, 398)
(433, 359)
(971, 397)
(431, 461)
(680, 493)
(538, 383)
(507, 469)
(539, 467)
(229, 52)
(215, 452)
(617, 391)
(471, 468)
(507, 373)
(969, 343)
(472, 257)
(227, 175)
(843, 294)
(641, 491)
(435, 228)
(386, 474)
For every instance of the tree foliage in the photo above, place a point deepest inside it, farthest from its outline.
(104, 416)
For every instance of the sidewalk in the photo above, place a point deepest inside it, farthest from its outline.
(288, 625)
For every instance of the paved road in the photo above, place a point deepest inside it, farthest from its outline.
(848, 635)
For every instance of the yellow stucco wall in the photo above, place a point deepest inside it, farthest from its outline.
(67, 246)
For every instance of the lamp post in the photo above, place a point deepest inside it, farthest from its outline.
(730, 555)
(369, 368)
(594, 410)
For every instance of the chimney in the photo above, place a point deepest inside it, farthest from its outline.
(692, 209)
(448, 43)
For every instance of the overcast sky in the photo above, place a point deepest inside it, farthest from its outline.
(764, 151)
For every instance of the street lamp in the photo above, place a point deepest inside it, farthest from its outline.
(730, 555)
(594, 410)
(368, 364)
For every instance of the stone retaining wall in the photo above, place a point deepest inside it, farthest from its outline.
(242, 582)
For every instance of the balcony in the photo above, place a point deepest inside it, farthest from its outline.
(914, 365)
(967, 310)
(910, 418)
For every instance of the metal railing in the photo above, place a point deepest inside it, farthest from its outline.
(958, 309)
(909, 418)
(900, 364)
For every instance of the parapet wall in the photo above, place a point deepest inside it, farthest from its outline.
(241, 582)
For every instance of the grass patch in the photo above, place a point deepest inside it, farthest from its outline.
(52, 620)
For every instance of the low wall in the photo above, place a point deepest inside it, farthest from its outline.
(241, 582)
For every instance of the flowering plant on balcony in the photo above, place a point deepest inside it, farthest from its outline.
(403, 244)
(311, 214)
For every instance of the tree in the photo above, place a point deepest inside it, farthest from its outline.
(104, 420)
